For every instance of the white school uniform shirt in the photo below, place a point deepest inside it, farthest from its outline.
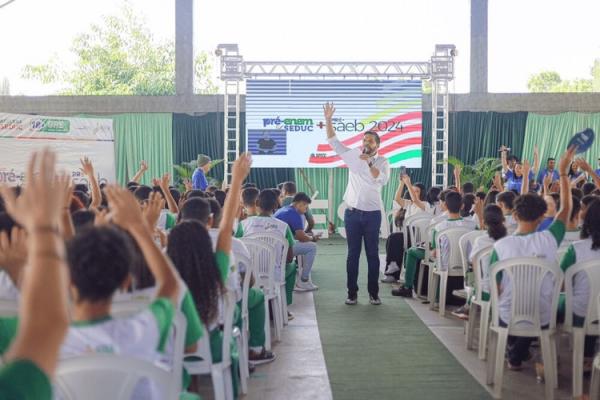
(444, 251)
(262, 224)
(363, 191)
(411, 208)
(509, 222)
(580, 251)
(137, 336)
(572, 236)
(537, 244)
(8, 290)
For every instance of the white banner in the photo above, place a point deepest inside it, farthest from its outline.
(71, 138)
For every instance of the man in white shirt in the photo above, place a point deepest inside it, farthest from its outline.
(368, 173)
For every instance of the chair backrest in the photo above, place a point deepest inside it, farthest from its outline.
(428, 238)
(110, 376)
(560, 253)
(417, 227)
(465, 244)
(249, 271)
(591, 271)
(481, 271)
(281, 245)
(409, 221)
(527, 276)
(263, 258)
(454, 258)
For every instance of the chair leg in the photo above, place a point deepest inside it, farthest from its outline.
(267, 326)
(484, 327)
(243, 364)
(554, 340)
(228, 381)
(433, 284)
(218, 382)
(499, 362)
(284, 310)
(595, 382)
(276, 319)
(470, 324)
(420, 280)
(491, 358)
(548, 365)
(578, 344)
(443, 284)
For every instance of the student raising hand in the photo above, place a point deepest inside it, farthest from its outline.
(126, 213)
(566, 200)
(43, 314)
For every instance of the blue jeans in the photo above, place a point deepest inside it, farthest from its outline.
(362, 225)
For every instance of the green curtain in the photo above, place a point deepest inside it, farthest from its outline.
(204, 134)
(143, 137)
(551, 133)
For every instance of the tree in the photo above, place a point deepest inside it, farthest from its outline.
(5, 87)
(120, 57)
(596, 75)
(551, 82)
(543, 82)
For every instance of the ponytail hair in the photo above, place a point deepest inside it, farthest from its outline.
(591, 224)
(467, 204)
(494, 220)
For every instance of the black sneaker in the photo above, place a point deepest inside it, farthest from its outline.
(352, 300)
(263, 357)
(402, 292)
(375, 300)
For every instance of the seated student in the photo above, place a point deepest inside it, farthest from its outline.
(288, 191)
(573, 232)
(506, 201)
(467, 211)
(529, 242)
(249, 197)
(305, 244)
(29, 364)
(453, 202)
(265, 222)
(13, 255)
(583, 250)
(552, 201)
(433, 198)
(492, 220)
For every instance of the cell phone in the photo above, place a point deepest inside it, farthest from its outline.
(402, 170)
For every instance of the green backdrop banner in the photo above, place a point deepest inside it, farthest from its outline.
(551, 133)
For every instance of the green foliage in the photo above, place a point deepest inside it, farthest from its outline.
(120, 56)
(480, 174)
(551, 82)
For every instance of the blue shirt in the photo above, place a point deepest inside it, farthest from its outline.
(199, 179)
(290, 216)
(598, 171)
(514, 183)
(545, 224)
(545, 172)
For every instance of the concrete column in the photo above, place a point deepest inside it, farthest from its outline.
(184, 47)
(479, 46)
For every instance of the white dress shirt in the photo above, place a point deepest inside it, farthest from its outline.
(363, 191)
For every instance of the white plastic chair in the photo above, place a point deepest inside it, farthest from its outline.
(591, 269)
(263, 261)
(110, 376)
(281, 247)
(439, 272)
(113, 376)
(465, 244)
(480, 307)
(417, 229)
(527, 275)
(201, 362)
(595, 381)
(244, 333)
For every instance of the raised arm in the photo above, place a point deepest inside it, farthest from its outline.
(241, 169)
(138, 175)
(127, 213)
(566, 200)
(88, 170)
(67, 229)
(503, 158)
(164, 186)
(43, 311)
(328, 111)
(525, 182)
(536, 160)
(583, 164)
(457, 172)
(398, 196)
(411, 190)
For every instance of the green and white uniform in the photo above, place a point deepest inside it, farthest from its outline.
(578, 252)
(23, 380)
(537, 244)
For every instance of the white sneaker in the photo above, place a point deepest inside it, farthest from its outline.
(392, 268)
(388, 279)
(305, 286)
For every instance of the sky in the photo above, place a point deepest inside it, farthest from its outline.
(525, 36)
